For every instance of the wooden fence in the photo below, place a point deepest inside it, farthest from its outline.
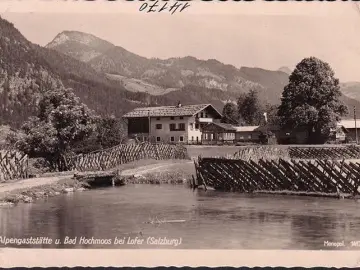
(125, 153)
(257, 152)
(13, 165)
(347, 152)
(307, 176)
(274, 152)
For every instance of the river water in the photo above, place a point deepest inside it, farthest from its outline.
(170, 216)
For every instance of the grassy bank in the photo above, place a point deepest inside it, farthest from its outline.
(176, 178)
(28, 195)
(173, 173)
(212, 150)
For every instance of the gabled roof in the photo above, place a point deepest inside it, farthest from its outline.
(184, 110)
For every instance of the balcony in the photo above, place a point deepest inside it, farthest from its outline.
(204, 120)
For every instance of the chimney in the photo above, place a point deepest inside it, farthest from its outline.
(179, 104)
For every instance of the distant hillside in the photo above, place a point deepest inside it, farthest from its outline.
(351, 89)
(285, 70)
(24, 76)
(196, 95)
(100, 93)
(27, 70)
(186, 78)
(79, 45)
(273, 82)
(112, 80)
(156, 76)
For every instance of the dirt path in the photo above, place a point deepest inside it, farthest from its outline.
(34, 182)
(152, 168)
(29, 183)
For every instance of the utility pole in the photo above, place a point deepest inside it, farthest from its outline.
(149, 123)
(356, 133)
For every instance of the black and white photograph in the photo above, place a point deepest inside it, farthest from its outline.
(172, 128)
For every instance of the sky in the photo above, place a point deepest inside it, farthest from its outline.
(261, 34)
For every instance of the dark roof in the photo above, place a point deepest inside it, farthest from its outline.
(268, 127)
(227, 127)
(184, 110)
(246, 128)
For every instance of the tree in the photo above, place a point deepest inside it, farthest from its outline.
(230, 114)
(272, 114)
(311, 100)
(110, 132)
(62, 121)
(250, 108)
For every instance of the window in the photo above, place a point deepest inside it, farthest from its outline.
(158, 126)
(192, 138)
(191, 126)
(249, 136)
(172, 139)
(158, 139)
(172, 117)
(196, 126)
(181, 117)
(206, 115)
(157, 118)
(201, 115)
(173, 127)
(197, 138)
(181, 138)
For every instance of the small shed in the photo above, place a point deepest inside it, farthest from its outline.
(247, 133)
(350, 130)
(214, 133)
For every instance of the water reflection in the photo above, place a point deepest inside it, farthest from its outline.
(211, 219)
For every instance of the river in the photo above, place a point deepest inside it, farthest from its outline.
(171, 216)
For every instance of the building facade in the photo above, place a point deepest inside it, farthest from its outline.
(218, 133)
(200, 124)
(352, 131)
(171, 124)
(247, 134)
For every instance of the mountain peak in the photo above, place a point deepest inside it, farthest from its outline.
(70, 42)
(58, 40)
(77, 36)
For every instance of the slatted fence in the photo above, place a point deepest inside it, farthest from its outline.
(347, 152)
(125, 153)
(13, 165)
(311, 176)
(274, 152)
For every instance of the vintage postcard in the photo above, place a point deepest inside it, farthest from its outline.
(185, 133)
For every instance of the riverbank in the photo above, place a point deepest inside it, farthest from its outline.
(29, 194)
(140, 172)
(175, 172)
